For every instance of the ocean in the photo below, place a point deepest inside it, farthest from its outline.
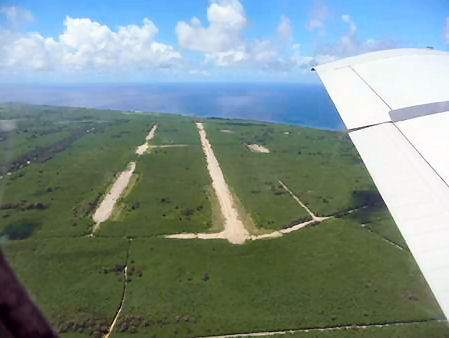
(301, 104)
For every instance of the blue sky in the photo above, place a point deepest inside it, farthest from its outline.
(218, 40)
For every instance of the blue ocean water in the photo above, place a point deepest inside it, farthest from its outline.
(301, 104)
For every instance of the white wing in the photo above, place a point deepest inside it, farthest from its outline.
(395, 104)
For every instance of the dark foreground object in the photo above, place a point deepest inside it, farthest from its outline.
(19, 317)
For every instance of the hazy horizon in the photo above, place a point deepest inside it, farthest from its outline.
(300, 104)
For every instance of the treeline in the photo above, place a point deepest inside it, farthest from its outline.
(43, 154)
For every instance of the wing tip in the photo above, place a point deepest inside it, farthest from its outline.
(376, 55)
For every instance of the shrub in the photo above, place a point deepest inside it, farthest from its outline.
(19, 230)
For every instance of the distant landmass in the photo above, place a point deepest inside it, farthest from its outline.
(300, 104)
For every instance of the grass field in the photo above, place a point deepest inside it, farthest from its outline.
(254, 179)
(379, 221)
(327, 275)
(172, 191)
(72, 281)
(353, 269)
(57, 197)
(172, 194)
(175, 129)
(321, 167)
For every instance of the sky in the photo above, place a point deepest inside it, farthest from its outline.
(84, 41)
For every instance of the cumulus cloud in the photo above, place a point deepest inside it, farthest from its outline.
(29, 50)
(446, 31)
(227, 58)
(260, 55)
(226, 21)
(222, 40)
(284, 28)
(318, 17)
(86, 44)
(16, 16)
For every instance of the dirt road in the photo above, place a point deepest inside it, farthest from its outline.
(106, 207)
(234, 230)
(144, 147)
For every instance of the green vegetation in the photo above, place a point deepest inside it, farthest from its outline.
(61, 193)
(77, 283)
(253, 177)
(175, 129)
(323, 276)
(379, 221)
(321, 167)
(172, 194)
(20, 230)
(343, 271)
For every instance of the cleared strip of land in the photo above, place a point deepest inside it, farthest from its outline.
(234, 230)
(169, 146)
(314, 217)
(269, 235)
(172, 192)
(257, 148)
(321, 167)
(254, 176)
(106, 207)
(144, 147)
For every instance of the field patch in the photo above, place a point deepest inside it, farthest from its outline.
(321, 167)
(19, 230)
(336, 263)
(77, 283)
(323, 276)
(61, 194)
(175, 129)
(254, 181)
(172, 194)
(256, 148)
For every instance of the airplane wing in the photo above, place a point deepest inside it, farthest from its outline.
(395, 104)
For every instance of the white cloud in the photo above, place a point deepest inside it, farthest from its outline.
(227, 58)
(222, 40)
(446, 33)
(86, 44)
(318, 17)
(284, 28)
(348, 44)
(31, 50)
(226, 21)
(299, 60)
(258, 55)
(16, 16)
